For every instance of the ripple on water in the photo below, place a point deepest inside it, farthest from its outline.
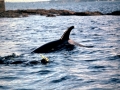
(9, 78)
(80, 69)
(114, 80)
(44, 72)
(60, 79)
(97, 67)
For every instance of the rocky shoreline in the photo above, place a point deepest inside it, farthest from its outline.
(50, 13)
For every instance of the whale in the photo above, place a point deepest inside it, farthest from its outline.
(63, 43)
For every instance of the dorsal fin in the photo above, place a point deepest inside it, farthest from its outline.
(66, 34)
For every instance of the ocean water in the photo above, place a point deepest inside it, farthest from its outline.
(96, 68)
(102, 6)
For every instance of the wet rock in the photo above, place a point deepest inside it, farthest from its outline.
(66, 12)
(9, 14)
(96, 13)
(50, 13)
(28, 11)
(87, 13)
(53, 11)
(114, 13)
(42, 12)
(24, 15)
(80, 13)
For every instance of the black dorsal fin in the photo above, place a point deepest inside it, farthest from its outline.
(66, 34)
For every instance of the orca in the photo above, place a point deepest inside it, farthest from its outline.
(63, 43)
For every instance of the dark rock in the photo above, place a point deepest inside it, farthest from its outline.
(66, 12)
(114, 13)
(96, 13)
(41, 12)
(87, 13)
(24, 15)
(9, 14)
(53, 11)
(28, 11)
(51, 15)
(80, 14)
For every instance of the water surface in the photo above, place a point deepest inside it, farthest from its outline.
(94, 68)
(101, 6)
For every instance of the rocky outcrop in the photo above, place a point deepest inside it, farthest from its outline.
(9, 14)
(87, 13)
(114, 13)
(50, 13)
(24, 13)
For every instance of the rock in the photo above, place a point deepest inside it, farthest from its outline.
(9, 14)
(87, 13)
(50, 13)
(53, 11)
(96, 13)
(24, 15)
(114, 13)
(66, 12)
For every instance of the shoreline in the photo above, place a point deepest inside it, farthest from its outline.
(51, 13)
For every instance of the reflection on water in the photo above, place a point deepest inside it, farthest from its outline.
(82, 68)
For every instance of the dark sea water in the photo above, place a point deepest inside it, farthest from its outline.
(96, 68)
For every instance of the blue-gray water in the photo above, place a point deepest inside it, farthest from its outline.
(96, 68)
(102, 6)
